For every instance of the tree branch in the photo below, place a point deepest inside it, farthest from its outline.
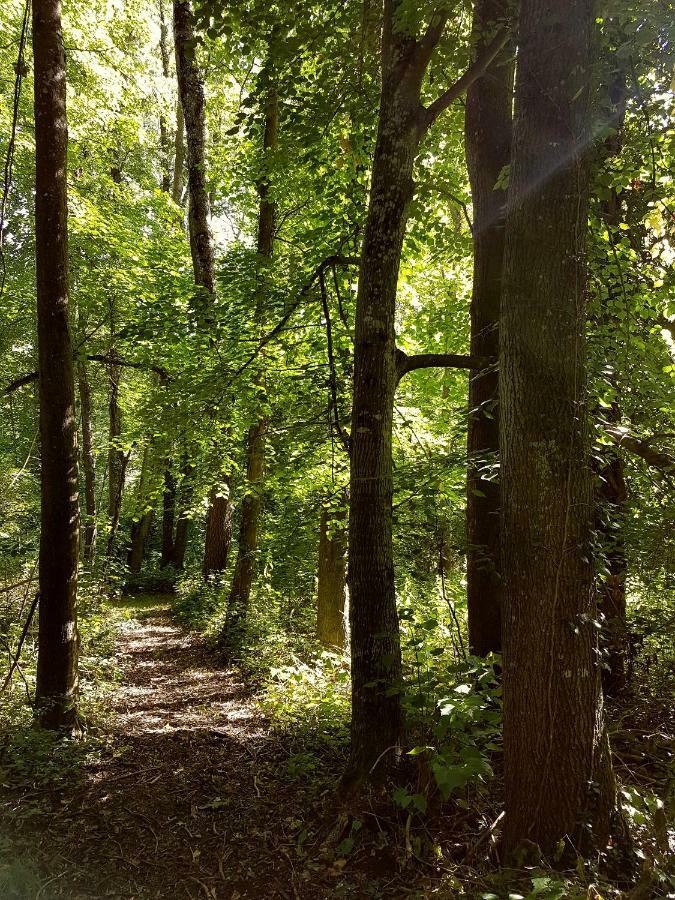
(335, 260)
(105, 358)
(473, 73)
(620, 436)
(405, 363)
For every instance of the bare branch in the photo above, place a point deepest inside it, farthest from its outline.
(405, 363)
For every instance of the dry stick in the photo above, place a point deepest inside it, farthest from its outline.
(11, 587)
(15, 659)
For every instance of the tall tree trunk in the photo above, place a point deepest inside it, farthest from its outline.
(56, 686)
(88, 462)
(191, 91)
(168, 516)
(377, 719)
(242, 580)
(331, 594)
(488, 150)
(557, 768)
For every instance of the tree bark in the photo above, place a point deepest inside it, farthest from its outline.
(242, 581)
(193, 103)
(57, 681)
(218, 532)
(331, 594)
(88, 462)
(488, 152)
(557, 768)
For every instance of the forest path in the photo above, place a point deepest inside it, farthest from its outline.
(190, 796)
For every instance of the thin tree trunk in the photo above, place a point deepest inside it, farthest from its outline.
(331, 594)
(56, 685)
(557, 769)
(88, 462)
(184, 520)
(242, 581)
(140, 529)
(115, 453)
(163, 131)
(168, 516)
(488, 150)
(179, 156)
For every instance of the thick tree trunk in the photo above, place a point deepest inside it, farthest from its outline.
(168, 516)
(488, 150)
(331, 594)
(557, 769)
(56, 686)
(218, 532)
(242, 581)
(88, 463)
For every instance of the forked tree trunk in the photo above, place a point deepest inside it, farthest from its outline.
(88, 463)
(331, 593)
(242, 580)
(557, 768)
(377, 719)
(488, 150)
(56, 685)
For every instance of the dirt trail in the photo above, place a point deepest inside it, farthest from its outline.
(189, 798)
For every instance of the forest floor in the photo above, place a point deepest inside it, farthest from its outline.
(180, 788)
(188, 793)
